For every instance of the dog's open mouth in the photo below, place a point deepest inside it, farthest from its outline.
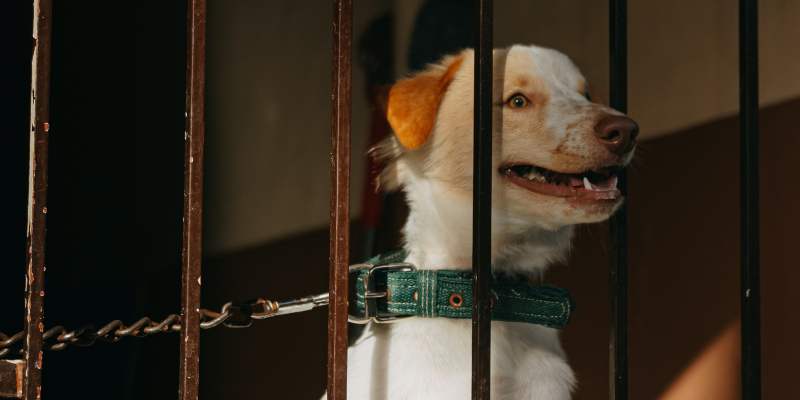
(597, 183)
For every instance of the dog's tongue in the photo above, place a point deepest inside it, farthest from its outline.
(606, 184)
(575, 181)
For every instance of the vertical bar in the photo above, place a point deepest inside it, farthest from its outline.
(37, 200)
(618, 227)
(340, 198)
(193, 199)
(11, 379)
(482, 200)
(748, 192)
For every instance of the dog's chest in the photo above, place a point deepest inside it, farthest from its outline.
(431, 359)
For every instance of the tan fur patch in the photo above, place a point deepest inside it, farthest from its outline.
(413, 102)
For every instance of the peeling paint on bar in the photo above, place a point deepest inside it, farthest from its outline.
(340, 197)
(10, 378)
(193, 199)
(37, 198)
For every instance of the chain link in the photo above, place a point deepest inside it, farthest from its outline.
(87, 334)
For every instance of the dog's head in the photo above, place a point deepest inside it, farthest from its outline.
(555, 145)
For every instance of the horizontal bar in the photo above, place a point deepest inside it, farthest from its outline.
(748, 192)
(194, 136)
(37, 201)
(340, 198)
(482, 200)
(618, 226)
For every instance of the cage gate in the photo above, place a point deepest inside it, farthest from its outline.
(22, 378)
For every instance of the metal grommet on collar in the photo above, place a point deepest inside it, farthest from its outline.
(388, 294)
(456, 301)
(415, 296)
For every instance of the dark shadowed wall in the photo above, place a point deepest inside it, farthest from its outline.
(684, 263)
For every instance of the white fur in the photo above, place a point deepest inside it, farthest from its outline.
(431, 358)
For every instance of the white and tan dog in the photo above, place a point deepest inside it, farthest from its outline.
(554, 154)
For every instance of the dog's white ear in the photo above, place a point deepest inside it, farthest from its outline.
(412, 103)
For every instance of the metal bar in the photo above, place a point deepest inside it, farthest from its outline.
(340, 198)
(482, 200)
(193, 200)
(37, 200)
(618, 227)
(11, 379)
(748, 201)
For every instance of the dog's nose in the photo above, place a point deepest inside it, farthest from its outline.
(617, 133)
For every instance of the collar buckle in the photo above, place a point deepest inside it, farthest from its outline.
(371, 313)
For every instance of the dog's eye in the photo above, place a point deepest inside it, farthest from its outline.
(588, 94)
(518, 101)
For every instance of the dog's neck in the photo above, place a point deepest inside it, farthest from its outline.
(438, 233)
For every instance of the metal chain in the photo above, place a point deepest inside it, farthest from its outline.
(87, 334)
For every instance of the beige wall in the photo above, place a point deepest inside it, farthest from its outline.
(269, 83)
(683, 54)
(269, 117)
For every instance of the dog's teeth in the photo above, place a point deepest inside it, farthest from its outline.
(586, 183)
(615, 182)
(541, 178)
(534, 175)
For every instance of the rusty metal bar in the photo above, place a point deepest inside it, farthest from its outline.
(193, 199)
(37, 200)
(11, 379)
(618, 226)
(748, 200)
(482, 200)
(340, 198)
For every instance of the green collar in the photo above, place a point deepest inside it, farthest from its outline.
(448, 294)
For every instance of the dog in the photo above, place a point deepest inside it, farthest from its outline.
(554, 153)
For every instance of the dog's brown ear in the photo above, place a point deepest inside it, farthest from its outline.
(412, 103)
